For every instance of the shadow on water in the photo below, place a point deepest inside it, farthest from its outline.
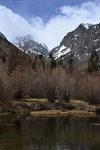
(49, 133)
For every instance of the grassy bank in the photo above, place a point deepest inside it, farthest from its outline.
(41, 107)
(78, 113)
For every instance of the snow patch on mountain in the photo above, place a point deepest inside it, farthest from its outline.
(78, 44)
(61, 51)
(62, 48)
(96, 40)
(98, 49)
(29, 46)
(87, 25)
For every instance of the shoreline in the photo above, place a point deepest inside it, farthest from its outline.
(76, 113)
(39, 107)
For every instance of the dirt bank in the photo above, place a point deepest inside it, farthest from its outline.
(38, 107)
(78, 113)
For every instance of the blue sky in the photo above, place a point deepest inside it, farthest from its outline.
(48, 21)
(42, 8)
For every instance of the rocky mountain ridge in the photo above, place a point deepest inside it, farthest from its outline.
(29, 46)
(2, 36)
(78, 44)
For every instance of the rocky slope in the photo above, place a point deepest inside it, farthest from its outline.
(79, 44)
(29, 46)
(2, 36)
(11, 57)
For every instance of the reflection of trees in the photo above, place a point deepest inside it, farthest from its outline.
(50, 128)
(47, 133)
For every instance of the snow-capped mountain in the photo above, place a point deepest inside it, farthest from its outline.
(78, 44)
(29, 46)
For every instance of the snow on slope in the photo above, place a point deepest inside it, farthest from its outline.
(61, 51)
(78, 44)
(28, 45)
(87, 25)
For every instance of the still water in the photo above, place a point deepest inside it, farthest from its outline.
(49, 133)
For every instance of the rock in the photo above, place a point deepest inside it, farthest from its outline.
(78, 45)
(2, 36)
(29, 46)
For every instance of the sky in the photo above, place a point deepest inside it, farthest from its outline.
(48, 21)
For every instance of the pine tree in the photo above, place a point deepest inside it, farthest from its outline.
(60, 63)
(51, 55)
(70, 64)
(53, 62)
(41, 56)
(94, 62)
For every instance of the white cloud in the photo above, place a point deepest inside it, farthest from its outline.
(12, 24)
(52, 32)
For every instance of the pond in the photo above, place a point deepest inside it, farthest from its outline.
(49, 133)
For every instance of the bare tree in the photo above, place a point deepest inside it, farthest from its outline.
(50, 82)
(1, 91)
(66, 86)
(89, 89)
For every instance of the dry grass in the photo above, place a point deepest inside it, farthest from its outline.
(78, 102)
(95, 124)
(46, 113)
(35, 100)
(82, 105)
(82, 113)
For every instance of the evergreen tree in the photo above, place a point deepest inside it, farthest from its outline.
(34, 64)
(41, 56)
(94, 62)
(53, 62)
(70, 64)
(50, 55)
(60, 63)
(70, 61)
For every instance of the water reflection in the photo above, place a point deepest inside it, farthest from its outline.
(47, 133)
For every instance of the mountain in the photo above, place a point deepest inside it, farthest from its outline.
(2, 36)
(11, 58)
(78, 45)
(29, 46)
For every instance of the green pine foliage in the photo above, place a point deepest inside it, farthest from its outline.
(50, 55)
(60, 63)
(53, 62)
(94, 62)
(70, 64)
(38, 61)
(41, 56)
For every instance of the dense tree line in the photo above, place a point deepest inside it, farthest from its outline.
(48, 79)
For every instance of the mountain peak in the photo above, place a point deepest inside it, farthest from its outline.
(86, 25)
(28, 45)
(79, 43)
(28, 37)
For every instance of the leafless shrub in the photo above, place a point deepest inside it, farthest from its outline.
(66, 86)
(50, 80)
(36, 90)
(1, 92)
(89, 89)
